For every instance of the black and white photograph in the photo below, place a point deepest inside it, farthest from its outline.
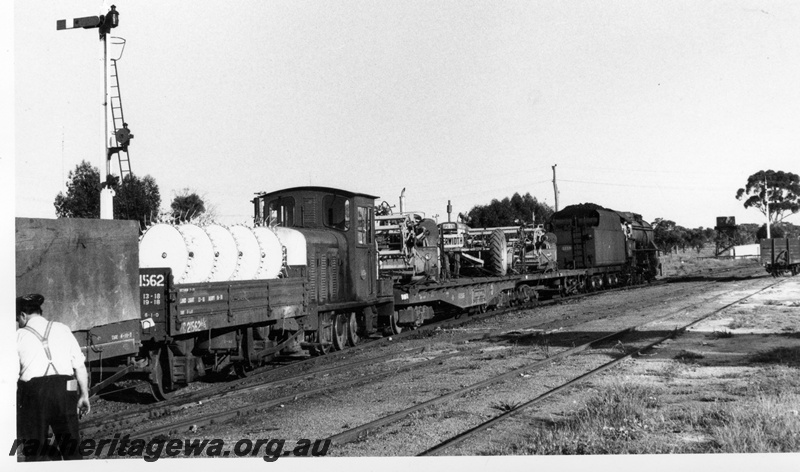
(382, 235)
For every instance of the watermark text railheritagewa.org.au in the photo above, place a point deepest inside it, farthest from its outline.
(124, 447)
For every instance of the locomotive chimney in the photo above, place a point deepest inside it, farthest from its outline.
(402, 199)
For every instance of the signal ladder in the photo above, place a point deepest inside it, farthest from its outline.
(121, 135)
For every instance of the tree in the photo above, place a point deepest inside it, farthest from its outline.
(509, 212)
(746, 233)
(774, 230)
(667, 235)
(82, 199)
(187, 205)
(790, 230)
(780, 189)
(696, 238)
(136, 199)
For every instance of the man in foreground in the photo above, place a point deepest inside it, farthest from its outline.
(53, 385)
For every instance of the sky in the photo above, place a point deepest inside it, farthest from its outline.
(663, 108)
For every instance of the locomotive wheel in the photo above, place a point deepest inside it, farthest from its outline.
(591, 284)
(393, 323)
(340, 325)
(161, 384)
(498, 253)
(353, 337)
(524, 293)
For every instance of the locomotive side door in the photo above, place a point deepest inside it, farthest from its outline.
(365, 254)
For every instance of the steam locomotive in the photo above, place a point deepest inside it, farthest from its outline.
(319, 269)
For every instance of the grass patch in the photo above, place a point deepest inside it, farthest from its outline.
(735, 324)
(687, 356)
(626, 418)
(608, 423)
(789, 356)
(720, 335)
(765, 424)
(690, 262)
(773, 381)
(505, 406)
(670, 371)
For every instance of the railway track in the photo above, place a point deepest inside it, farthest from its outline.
(317, 367)
(461, 437)
(204, 419)
(362, 431)
(175, 405)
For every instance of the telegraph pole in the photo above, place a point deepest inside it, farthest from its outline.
(104, 23)
(555, 185)
(766, 201)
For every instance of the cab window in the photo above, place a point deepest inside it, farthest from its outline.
(280, 212)
(337, 212)
(364, 223)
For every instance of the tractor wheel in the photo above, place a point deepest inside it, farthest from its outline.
(498, 253)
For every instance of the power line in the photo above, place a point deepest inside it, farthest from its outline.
(611, 184)
(648, 171)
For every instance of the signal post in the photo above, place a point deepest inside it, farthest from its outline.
(104, 24)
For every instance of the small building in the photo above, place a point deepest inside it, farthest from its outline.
(747, 251)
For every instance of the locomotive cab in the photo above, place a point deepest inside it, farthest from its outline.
(340, 232)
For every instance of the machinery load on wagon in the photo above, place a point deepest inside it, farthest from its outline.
(412, 247)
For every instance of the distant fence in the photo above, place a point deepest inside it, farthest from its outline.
(744, 256)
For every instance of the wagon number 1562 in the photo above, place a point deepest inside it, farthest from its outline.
(151, 280)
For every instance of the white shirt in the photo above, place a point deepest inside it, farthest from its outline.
(64, 350)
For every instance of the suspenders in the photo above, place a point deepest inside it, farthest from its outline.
(45, 345)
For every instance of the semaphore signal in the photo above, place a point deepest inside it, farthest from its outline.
(104, 24)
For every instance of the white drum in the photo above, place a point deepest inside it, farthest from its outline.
(295, 244)
(201, 253)
(271, 253)
(162, 245)
(249, 253)
(225, 250)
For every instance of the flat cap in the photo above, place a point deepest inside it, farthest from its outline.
(29, 302)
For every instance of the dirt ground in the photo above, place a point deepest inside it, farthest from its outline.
(689, 386)
(746, 357)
